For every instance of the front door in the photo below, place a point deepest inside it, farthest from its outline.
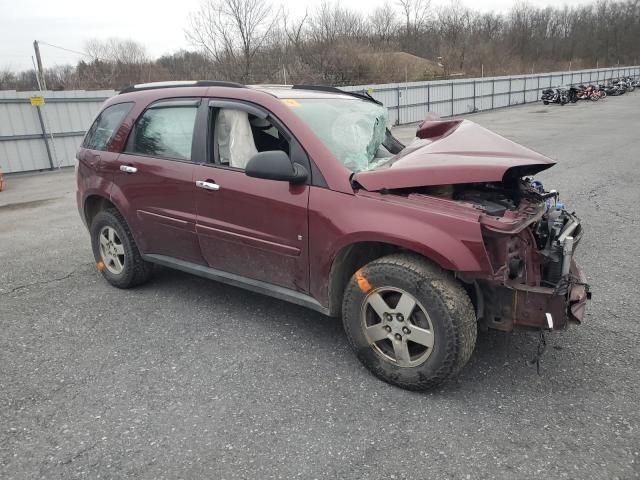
(248, 226)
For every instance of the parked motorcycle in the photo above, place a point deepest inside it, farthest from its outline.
(628, 83)
(574, 94)
(613, 87)
(555, 95)
(591, 93)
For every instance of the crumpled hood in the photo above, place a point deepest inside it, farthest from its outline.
(453, 152)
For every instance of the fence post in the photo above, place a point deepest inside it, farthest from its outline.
(538, 89)
(44, 137)
(452, 98)
(474, 95)
(428, 97)
(398, 103)
(493, 90)
(509, 91)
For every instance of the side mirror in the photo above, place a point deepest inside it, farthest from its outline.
(275, 165)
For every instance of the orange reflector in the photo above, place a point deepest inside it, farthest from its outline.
(363, 283)
(100, 265)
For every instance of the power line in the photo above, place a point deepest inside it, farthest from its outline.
(62, 48)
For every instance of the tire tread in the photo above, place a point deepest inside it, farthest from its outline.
(456, 305)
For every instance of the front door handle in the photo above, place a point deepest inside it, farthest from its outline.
(128, 169)
(207, 185)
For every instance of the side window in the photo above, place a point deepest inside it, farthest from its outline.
(238, 136)
(105, 126)
(164, 132)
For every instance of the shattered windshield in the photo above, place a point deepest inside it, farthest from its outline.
(352, 129)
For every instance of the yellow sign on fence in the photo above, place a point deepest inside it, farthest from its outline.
(37, 101)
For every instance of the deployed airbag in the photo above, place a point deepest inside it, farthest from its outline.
(234, 137)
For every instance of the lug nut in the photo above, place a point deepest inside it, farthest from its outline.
(387, 317)
(406, 330)
(400, 317)
(388, 328)
(398, 336)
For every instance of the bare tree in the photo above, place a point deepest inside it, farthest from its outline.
(246, 40)
(384, 23)
(115, 62)
(7, 78)
(232, 32)
(416, 15)
(454, 22)
(116, 50)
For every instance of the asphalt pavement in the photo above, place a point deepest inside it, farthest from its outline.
(188, 378)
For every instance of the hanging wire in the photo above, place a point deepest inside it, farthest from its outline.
(63, 48)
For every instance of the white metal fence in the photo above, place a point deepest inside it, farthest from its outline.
(46, 137)
(410, 102)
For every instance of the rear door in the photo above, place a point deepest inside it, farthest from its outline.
(96, 153)
(155, 177)
(252, 227)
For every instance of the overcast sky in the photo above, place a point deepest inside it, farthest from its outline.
(159, 25)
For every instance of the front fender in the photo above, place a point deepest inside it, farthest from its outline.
(451, 238)
(436, 245)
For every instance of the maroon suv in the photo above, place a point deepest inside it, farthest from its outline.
(302, 193)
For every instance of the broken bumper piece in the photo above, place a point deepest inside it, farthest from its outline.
(537, 307)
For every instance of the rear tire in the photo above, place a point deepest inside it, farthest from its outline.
(115, 251)
(408, 321)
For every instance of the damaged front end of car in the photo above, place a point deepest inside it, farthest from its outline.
(531, 279)
(535, 282)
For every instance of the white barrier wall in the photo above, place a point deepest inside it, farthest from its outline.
(410, 102)
(38, 138)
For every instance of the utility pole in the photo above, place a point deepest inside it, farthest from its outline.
(40, 71)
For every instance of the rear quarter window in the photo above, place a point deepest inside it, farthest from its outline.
(105, 126)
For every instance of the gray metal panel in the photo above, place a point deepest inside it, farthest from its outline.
(68, 113)
(65, 149)
(409, 102)
(22, 156)
(65, 113)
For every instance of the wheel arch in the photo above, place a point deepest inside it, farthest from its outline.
(353, 256)
(96, 202)
(93, 204)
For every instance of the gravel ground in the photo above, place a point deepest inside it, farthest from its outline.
(188, 378)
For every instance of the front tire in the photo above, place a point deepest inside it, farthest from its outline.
(408, 321)
(115, 251)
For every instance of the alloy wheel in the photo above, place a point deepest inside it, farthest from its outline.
(397, 326)
(111, 250)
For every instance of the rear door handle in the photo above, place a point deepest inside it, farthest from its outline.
(207, 185)
(128, 169)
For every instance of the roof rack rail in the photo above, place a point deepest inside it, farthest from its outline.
(180, 83)
(322, 88)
